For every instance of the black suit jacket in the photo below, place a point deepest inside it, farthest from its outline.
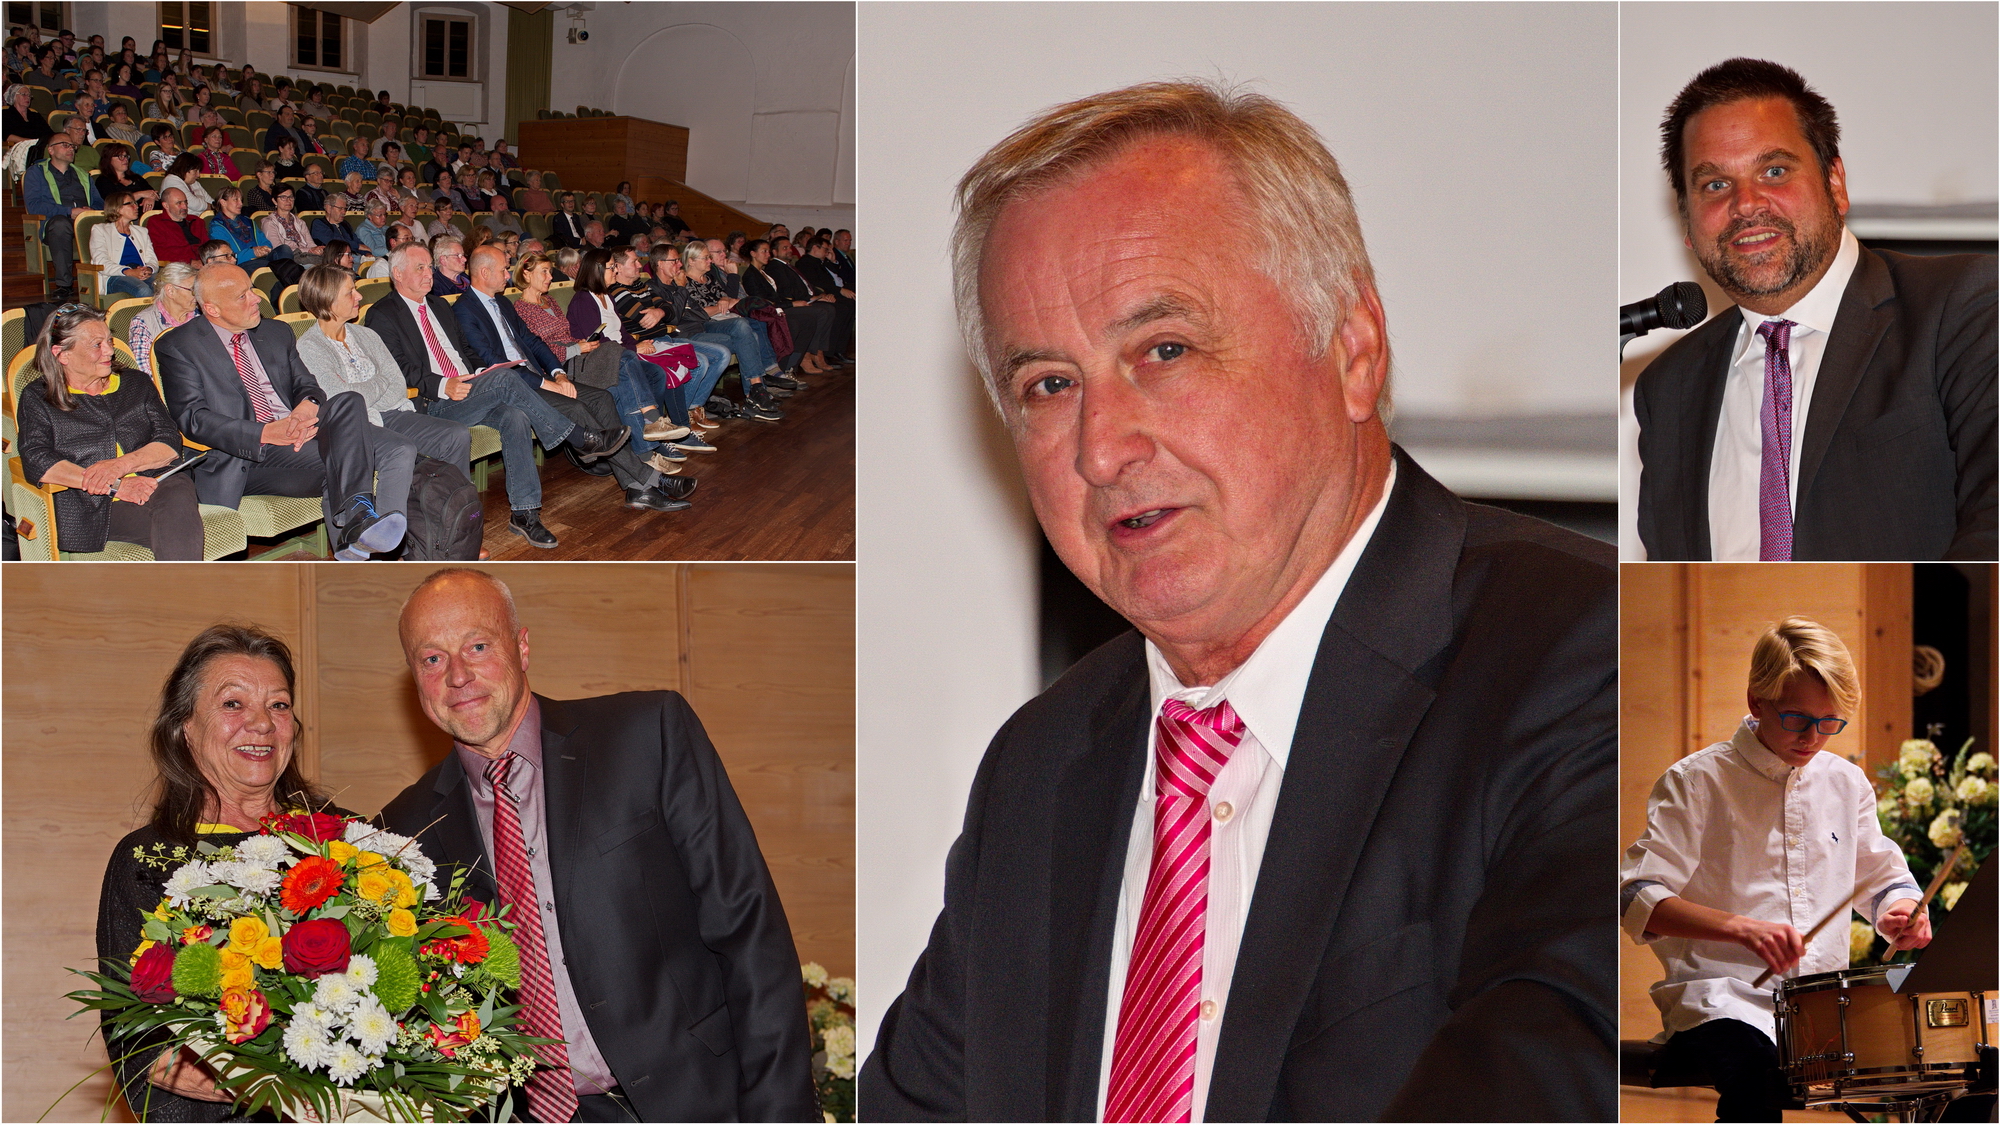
(1430, 922)
(206, 397)
(390, 319)
(673, 936)
(1898, 460)
(566, 228)
(478, 330)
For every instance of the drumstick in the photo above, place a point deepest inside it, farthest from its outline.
(1936, 882)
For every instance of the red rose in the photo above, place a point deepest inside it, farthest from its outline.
(153, 976)
(315, 947)
(317, 827)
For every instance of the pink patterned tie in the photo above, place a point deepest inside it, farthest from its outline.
(1774, 484)
(259, 390)
(1152, 1059)
(437, 350)
(552, 1091)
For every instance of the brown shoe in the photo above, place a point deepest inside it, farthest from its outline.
(699, 417)
(666, 467)
(664, 430)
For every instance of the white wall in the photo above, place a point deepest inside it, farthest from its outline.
(1913, 83)
(770, 120)
(1479, 142)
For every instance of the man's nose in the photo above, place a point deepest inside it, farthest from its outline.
(1111, 434)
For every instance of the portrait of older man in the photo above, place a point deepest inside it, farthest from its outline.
(1326, 835)
(1843, 407)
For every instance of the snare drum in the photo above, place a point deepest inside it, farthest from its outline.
(1846, 1032)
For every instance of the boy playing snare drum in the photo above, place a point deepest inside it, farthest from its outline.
(1749, 844)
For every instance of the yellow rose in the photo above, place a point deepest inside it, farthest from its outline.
(234, 959)
(375, 885)
(246, 933)
(365, 860)
(239, 978)
(160, 911)
(270, 953)
(406, 891)
(342, 851)
(402, 923)
(144, 945)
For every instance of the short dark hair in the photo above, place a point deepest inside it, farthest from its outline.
(1738, 80)
(211, 246)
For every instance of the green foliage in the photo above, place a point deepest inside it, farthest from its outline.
(503, 959)
(198, 970)
(396, 978)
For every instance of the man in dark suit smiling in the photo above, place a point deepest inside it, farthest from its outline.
(1326, 838)
(652, 941)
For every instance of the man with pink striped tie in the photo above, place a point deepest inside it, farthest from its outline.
(1329, 836)
(653, 944)
(1844, 408)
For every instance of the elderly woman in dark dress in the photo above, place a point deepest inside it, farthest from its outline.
(223, 744)
(97, 429)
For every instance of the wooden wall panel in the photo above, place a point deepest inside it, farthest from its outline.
(87, 647)
(594, 153)
(770, 656)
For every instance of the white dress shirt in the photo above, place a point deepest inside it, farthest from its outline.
(1734, 828)
(418, 311)
(1266, 691)
(1736, 465)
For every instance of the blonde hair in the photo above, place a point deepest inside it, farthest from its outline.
(1800, 646)
(1296, 199)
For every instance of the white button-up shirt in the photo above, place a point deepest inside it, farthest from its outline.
(1734, 828)
(1736, 464)
(1266, 692)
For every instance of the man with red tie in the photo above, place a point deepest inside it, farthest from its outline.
(1844, 407)
(1325, 838)
(653, 944)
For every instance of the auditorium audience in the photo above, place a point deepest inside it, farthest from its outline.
(809, 318)
(641, 382)
(257, 197)
(116, 177)
(814, 266)
(176, 232)
(312, 193)
(333, 225)
(283, 227)
(374, 229)
(59, 190)
(501, 219)
(123, 250)
(121, 128)
(566, 225)
(448, 258)
(173, 306)
(356, 161)
(215, 159)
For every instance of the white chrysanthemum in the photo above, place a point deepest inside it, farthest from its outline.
(1975, 790)
(1917, 792)
(841, 990)
(840, 1042)
(314, 1018)
(1981, 762)
(361, 970)
(346, 1065)
(813, 974)
(186, 878)
(372, 1028)
(250, 878)
(1945, 831)
(431, 892)
(841, 1068)
(336, 993)
(1916, 757)
(307, 1045)
(264, 851)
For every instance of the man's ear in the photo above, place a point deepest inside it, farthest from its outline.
(1364, 353)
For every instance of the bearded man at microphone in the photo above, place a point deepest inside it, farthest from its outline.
(1749, 845)
(1323, 838)
(1844, 409)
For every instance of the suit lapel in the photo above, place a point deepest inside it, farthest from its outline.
(1698, 440)
(1362, 704)
(565, 780)
(1087, 864)
(1858, 329)
(456, 833)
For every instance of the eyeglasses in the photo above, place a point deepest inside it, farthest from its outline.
(1798, 722)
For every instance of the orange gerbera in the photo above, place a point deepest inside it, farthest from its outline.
(311, 881)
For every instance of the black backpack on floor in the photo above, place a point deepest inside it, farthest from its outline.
(446, 523)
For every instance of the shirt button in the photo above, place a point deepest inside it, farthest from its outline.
(1208, 1009)
(1224, 811)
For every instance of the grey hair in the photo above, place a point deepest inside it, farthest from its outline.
(339, 197)
(374, 206)
(1293, 190)
(444, 240)
(173, 273)
(401, 254)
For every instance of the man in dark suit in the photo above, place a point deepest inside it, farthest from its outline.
(660, 953)
(1844, 408)
(496, 333)
(234, 382)
(285, 128)
(566, 226)
(424, 336)
(1326, 839)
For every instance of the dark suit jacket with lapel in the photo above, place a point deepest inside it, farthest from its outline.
(205, 395)
(478, 330)
(390, 319)
(1428, 938)
(566, 228)
(1898, 461)
(673, 935)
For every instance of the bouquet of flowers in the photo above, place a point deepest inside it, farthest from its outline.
(830, 1010)
(1928, 806)
(318, 969)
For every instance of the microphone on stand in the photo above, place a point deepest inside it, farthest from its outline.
(1680, 305)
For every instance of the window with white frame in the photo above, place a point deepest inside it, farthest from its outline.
(319, 39)
(187, 25)
(447, 46)
(48, 17)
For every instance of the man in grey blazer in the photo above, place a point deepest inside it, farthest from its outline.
(1324, 839)
(235, 383)
(1844, 408)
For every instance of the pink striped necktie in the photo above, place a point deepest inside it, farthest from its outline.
(1152, 1058)
(1774, 482)
(552, 1091)
(259, 390)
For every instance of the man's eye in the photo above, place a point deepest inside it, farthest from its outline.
(1713, 185)
(1168, 352)
(1049, 385)
(432, 659)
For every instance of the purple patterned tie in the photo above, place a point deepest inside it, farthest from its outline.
(552, 1091)
(1152, 1058)
(1774, 484)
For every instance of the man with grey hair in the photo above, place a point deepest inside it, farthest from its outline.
(1386, 712)
(334, 224)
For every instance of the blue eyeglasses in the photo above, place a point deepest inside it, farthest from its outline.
(1798, 723)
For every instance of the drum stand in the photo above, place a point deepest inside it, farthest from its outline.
(1914, 1107)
